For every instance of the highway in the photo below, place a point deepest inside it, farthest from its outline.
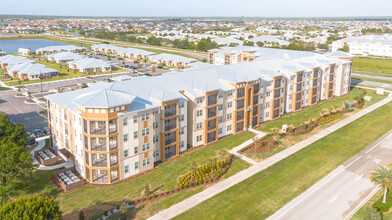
(370, 83)
(343, 191)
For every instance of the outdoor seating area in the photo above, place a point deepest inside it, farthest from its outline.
(68, 180)
(47, 157)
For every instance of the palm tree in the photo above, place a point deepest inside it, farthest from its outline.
(383, 176)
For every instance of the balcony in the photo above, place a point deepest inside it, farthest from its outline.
(211, 125)
(170, 124)
(112, 126)
(240, 104)
(98, 144)
(98, 127)
(170, 138)
(240, 92)
(170, 110)
(113, 143)
(211, 112)
(99, 160)
(212, 100)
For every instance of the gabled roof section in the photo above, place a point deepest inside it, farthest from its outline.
(339, 54)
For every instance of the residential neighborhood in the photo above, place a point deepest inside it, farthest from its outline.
(195, 110)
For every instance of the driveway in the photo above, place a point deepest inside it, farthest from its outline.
(21, 113)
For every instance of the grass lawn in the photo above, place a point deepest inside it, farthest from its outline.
(4, 88)
(64, 73)
(165, 175)
(372, 80)
(39, 183)
(288, 141)
(298, 118)
(365, 210)
(258, 199)
(372, 65)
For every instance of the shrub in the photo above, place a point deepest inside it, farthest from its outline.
(105, 213)
(35, 207)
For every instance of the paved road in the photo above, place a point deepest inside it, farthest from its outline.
(338, 195)
(21, 113)
(372, 77)
(194, 200)
(125, 44)
(369, 83)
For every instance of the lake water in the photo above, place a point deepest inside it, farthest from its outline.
(11, 46)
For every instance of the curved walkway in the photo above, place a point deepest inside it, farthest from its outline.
(193, 201)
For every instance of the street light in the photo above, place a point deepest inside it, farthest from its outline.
(41, 77)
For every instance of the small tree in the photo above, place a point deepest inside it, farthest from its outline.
(81, 215)
(147, 190)
(123, 212)
(35, 207)
(383, 177)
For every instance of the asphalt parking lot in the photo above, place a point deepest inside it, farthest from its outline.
(21, 113)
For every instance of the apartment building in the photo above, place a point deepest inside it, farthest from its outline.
(117, 130)
(374, 45)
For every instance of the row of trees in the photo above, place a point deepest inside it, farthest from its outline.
(16, 167)
(16, 164)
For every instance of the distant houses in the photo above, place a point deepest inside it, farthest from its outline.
(10, 60)
(57, 49)
(171, 60)
(90, 65)
(373, 45)
(63, 58)
(24, 51)
(31, 71)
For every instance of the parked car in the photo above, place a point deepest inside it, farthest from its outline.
(159, 67)
(135, 61)
(37, 133)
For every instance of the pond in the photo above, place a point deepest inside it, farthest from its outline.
(11, 46)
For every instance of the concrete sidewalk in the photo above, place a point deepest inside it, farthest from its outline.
(245, 144)
(193, 201)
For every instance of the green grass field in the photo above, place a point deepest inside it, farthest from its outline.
(372, 65)
(298, 118)
(165, 175)
(258, 199)
(372, 80)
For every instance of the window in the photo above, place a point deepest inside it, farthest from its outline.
(156, 139)
(125, 122)
(267, 114)
(135, 134)
(155, 125)
(220, 106)
(144, 162)
(125, 153)
(220, 131)
(181, 105)
(199, 125)
(229, 128)
(155, 112)
(220, 119)
(230, 116)
(125, 137)
(146, 147)
(182, 144)
(126, 169)
(198, 138)
(148, 161)
(199, 100)
(156, 153)
(135, 119)
(136, 149)
(220, 95)
(145, 117)
(182, 131)
(181, 118)
(230, 93)
(229, 104)
(199, 113)
(136, 165)
(145, 132)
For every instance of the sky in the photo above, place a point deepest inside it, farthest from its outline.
(199, 8)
